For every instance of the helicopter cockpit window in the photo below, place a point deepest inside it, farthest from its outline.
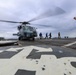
(26, 28)
(31, 29)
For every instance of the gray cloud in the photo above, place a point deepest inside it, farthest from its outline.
(24, 10)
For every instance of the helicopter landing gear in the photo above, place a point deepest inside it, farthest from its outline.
(20, 38)
(33, 39)
(30, 39)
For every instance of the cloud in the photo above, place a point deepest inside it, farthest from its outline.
(24, 10)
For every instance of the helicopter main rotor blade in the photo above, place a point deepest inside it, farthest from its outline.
(42, 25)
(9, 21)
(56, 11)
(24, 22)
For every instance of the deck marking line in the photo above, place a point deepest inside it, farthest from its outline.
(70, 44)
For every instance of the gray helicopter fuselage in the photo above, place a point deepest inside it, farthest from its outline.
(26, 32)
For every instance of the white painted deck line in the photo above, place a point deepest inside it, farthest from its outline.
(4, 42)
(1, 51)
(53, 65)
(14, 49)
(70, 44)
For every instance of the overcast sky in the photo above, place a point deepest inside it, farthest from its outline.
(25, 10)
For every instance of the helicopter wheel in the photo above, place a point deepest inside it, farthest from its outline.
(33, 39)
(20, 38)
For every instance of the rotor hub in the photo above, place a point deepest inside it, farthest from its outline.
(25, 23)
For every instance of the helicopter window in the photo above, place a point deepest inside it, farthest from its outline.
(28, 28)
(31, 28)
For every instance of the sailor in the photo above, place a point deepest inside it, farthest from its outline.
(40, 35)
(46, 35)
(50, 35)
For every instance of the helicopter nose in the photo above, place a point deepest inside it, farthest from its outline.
(26, 34)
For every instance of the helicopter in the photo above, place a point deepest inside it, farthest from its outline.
(28, 32)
